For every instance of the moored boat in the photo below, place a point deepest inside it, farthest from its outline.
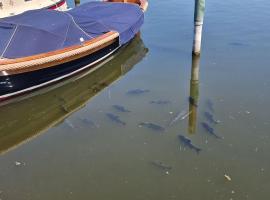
(54, 46)
(14, 7)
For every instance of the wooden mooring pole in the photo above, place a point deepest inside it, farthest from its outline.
(77, 2)
(198, 25)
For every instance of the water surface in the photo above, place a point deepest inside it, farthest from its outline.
(60, 144)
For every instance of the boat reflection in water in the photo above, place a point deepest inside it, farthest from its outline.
(194, 94)
(28, 117)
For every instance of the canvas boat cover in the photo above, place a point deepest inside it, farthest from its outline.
(41, 31)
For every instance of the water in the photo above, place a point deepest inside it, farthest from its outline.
(68, 149)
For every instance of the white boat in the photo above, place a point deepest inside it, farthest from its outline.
(14, 7)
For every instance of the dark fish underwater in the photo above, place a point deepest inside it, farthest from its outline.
(137, 91)
(187, 143)
(210, 105)
(152, 126)
(115, 119)
(160, 165)
(210, 118)
(210, 130)
(160, 102)
(89, 123)
(121, 108)
(240, 44)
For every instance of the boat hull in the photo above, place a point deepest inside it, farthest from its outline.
(17, 84)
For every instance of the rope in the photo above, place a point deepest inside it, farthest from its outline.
(5, 49)
(77, 25)
(66, 35)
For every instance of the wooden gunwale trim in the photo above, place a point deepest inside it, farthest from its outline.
(50, 59)
(43, 55)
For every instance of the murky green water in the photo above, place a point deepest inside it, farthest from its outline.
(61, 145)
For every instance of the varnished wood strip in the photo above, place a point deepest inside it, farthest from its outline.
(44, 55)
(21, 65)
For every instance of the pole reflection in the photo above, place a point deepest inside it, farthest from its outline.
(194, 94)
(77, 2)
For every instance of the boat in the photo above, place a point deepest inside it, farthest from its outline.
(39, 48)
(14, 7)
(50, 106)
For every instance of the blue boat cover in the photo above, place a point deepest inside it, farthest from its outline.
(40, 31)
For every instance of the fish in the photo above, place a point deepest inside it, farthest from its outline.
(137, 91)
(159, 164)
(64, 109)
(187, 143)
(69, 123)
(160, 102)
(192, 101)
(61, 99)
(210, 118)
(152, 126)
(210, 130)
(89, 122)
(237, 44)
(227, 177)
(17, 163)
(210, 105)
(103, 84)
(180, 116)
(120, 108)
(115, 119)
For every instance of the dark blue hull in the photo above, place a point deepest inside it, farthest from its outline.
(18, 84)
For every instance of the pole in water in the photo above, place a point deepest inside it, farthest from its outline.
(194, 94)
(198, 24)
(77, 2)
